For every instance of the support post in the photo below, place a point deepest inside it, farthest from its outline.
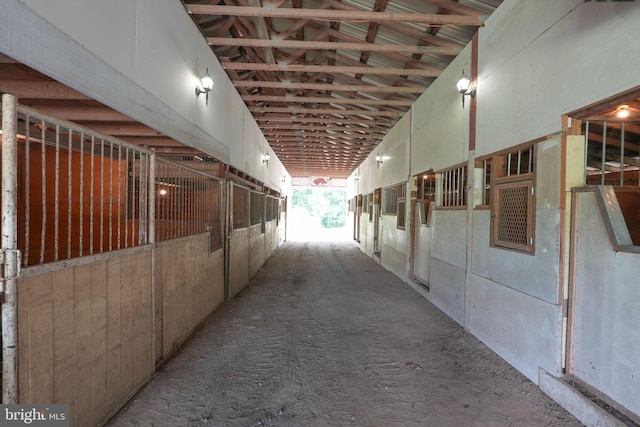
(9, 247)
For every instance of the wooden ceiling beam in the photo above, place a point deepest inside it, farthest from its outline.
(323, 127)
(334, 15)
(336, 111)
(289, 119)
(278, 43)
(328, 100)
(365, 88)
(331, 69)
(454, 6)
(405, 29)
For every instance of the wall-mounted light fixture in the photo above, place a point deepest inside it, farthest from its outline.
(464, 87)
(265, 158)
(622, 111)
(379, 160)
(205, 86)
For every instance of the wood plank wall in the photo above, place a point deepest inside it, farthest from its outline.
(85, 335)
(86, 331)
(190, 285)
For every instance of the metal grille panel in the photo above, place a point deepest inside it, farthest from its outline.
(513, 215)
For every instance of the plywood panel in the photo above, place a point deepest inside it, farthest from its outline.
(126, 325)
(41, 341)
(239, 261)
(62, 288)
(99, 339)
(191, 287)
(23, 339)
(114, 389)
(141, 325)
(159, 307)
(82, 345)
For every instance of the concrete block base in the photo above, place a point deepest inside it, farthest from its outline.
(581, 407)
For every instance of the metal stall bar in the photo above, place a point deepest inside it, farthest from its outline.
(56, 206)
(44, 190)
(27, 190)
(10, 251)
(604, 151)
(69, 193)
(86, 193)
(586, 151)
(622, 153)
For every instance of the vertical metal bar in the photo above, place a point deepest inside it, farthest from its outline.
(152, 198)
(27, 189)
(463, 188)
(174, 209)
(56, 204)
(142, 188)
(101, 196)
(484, 182)
(604, 151)
(43, 170)
(126, 200)
(81, 238)
(586, 150)
(461, 181)
(519, 161)
(530, 170)
(622, 154)
(110, 196)
(119, 245)
(9, 242)
(509, 164)
(69, 193)
(91, 185)
(134, 198)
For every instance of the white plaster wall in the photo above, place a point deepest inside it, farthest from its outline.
(536, 275)
(394, 150)
(440, 125)
(446, 288)
(142, 58)
(448, 261)
(537, 57)
(523, 330)
(449, 228)
(606, 337)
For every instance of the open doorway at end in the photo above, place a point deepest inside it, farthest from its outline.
(318, 214)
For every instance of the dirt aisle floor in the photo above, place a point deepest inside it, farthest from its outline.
(324, 336)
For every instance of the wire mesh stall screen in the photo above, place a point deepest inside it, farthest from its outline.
(240, 207)
(78, 193)
(188, 202)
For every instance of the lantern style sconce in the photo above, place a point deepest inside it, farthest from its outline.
(265, 158)
(464, 87)
(205, 86)
(379, 160)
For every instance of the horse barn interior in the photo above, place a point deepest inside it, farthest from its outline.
(150, 150)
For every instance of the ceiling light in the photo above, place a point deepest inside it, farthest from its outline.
(622, 111)
(205, 86)
(464, 87)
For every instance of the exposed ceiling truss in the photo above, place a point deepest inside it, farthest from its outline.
(327, 79)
